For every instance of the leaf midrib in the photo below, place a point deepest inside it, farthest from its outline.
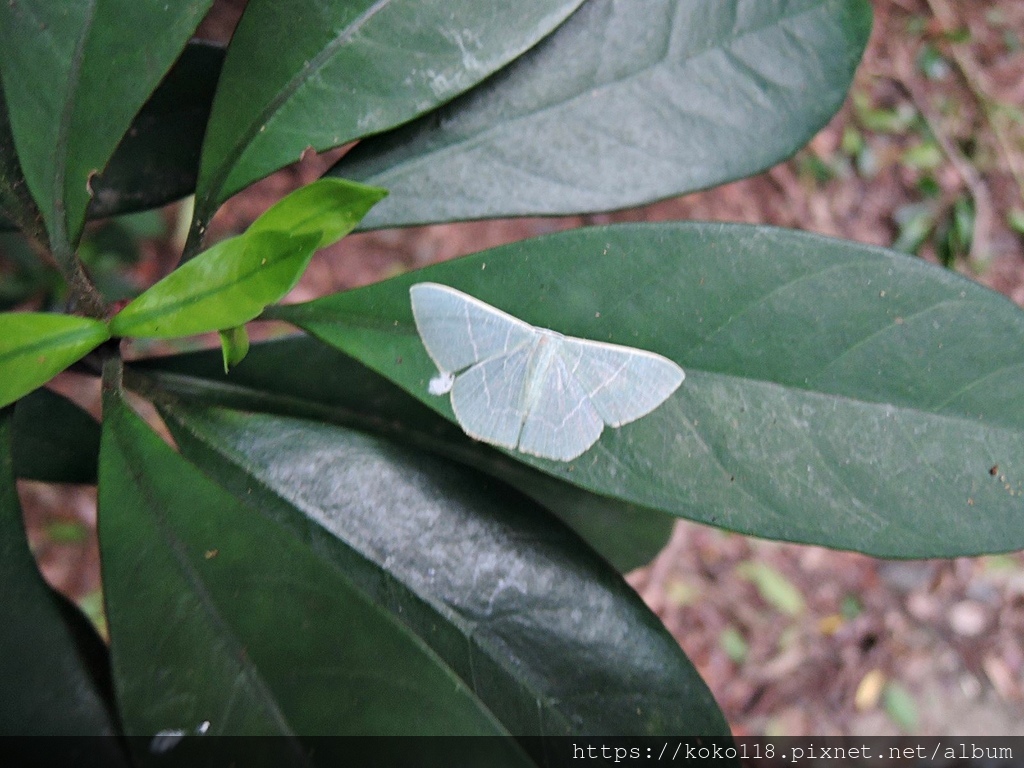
(315, 64)
(140, 317)
(64, 129)
(56, 341)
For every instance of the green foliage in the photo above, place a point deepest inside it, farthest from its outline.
(234, 344)
(573, 126)
(341, 71)
(54, 668)
(35, 346)
(233, 281)
(227, 285)
(323, 551)
(198, 553)
(72, 85)
(330, 208)
(54, 439)
(799, 419)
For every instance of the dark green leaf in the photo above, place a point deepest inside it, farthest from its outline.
(54, 669)
(74, 75)
(835, 393)
(514, 603)
(303, 377)
(328, 208)
(620, 107)
(225, 286)
(54, 440)
(17, 208)
(158, 158)
(36, 346)
(340, 71)
(221, 616)
(26, 276)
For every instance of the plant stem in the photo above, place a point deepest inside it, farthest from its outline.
(113, 371)
(84, 296)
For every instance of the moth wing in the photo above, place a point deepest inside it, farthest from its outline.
(561, 423)
(621, 383)
(488, 398)
(459, 330)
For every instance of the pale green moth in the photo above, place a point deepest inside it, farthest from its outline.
(531, 389)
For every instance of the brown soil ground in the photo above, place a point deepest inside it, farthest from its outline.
(843, 643)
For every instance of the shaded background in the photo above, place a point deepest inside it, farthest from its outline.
(926, 155)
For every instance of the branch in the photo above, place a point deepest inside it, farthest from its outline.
(84, 295)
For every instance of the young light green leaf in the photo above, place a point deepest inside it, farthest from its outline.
(225, 286)
(329, 207)
(36, 346)
(234, 344)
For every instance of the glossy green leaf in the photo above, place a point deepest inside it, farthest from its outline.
(329, 208)
(225, 286)
(620, 107)
(222, 616)
(835, 393)
(17, 209)
(74, 75)
(36, 346)
(26, 277)
(234, 346)
(158, 158)
(303, 377)
(54, 440)
(340, 71)
(514, 603)
(53, 667)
